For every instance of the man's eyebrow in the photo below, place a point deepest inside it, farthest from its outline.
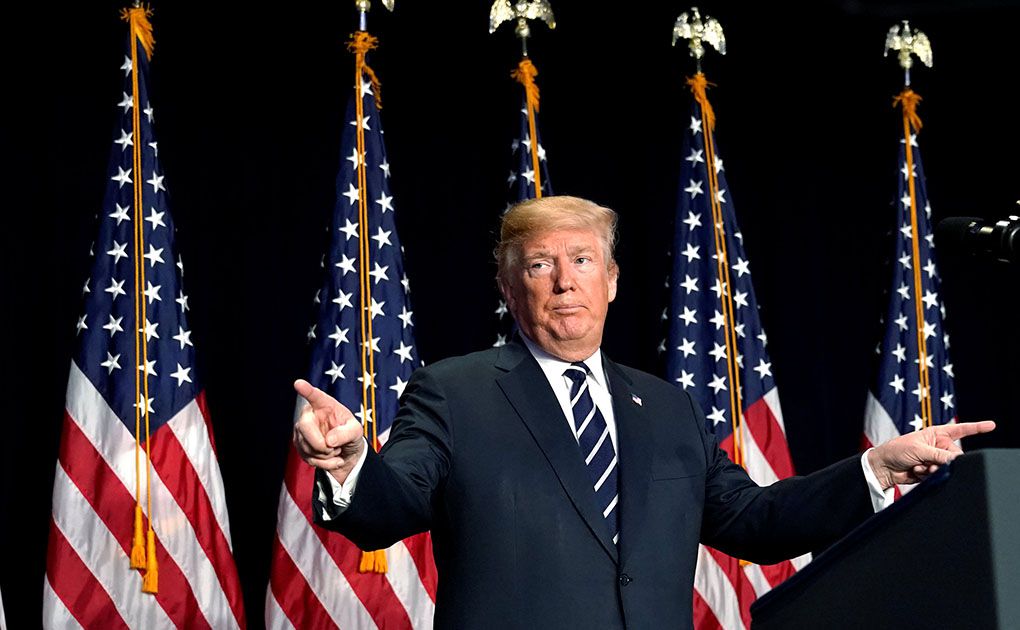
(542, 253)
(572, 251)
(582, 249)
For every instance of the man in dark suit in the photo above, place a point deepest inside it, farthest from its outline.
(563, 490)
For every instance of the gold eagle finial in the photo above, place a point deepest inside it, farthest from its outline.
(908, 42)
(522, 11)
(695, 30)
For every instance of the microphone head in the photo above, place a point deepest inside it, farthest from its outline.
(953, 234)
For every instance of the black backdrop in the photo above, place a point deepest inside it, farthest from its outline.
(249, 103)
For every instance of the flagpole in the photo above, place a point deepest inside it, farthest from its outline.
(909, 42)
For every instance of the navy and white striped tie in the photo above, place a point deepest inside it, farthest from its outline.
(592, 435)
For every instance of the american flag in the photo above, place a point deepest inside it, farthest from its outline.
(715, 350)
(136, 425)
(914, 384)
(524, 176)
(363, 354)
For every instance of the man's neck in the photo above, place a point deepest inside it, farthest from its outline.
(538, 351)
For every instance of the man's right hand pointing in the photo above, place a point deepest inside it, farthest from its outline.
(326, 434)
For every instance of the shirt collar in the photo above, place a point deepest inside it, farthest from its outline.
(555, 367)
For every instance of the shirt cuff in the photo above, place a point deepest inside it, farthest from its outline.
(336, 497)
(880, 499)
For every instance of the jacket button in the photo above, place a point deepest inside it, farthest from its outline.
(625, 579)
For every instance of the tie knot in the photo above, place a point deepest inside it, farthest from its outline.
(577, 371)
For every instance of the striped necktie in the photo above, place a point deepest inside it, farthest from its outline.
(596, 446)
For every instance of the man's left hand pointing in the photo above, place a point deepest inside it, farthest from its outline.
(913, 456)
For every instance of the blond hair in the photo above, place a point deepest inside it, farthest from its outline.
(534, 216)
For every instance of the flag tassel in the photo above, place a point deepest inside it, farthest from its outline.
(138, 546)
(373, 561)
(150, 583)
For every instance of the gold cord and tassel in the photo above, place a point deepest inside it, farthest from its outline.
(908, 100)
(699, 84)
(143, 549)
(361, 42)
(525, 75)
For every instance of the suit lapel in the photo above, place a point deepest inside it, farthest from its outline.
(632, 435)
(527, 389)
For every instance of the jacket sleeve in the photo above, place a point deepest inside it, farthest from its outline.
(786, 519)
(397, 487)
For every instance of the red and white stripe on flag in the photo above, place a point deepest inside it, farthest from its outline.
(316, 582)
(724, 590)
(88, 579)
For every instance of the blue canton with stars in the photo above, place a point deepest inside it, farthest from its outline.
(106, 350)
(337, 338)
(898, 386)
(696, 345)
(521, 183)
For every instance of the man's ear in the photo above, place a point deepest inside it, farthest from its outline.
(614, 275)
(507, 292)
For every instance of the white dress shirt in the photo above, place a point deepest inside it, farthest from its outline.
(555, 372)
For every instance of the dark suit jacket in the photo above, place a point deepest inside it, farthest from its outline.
(481, 454)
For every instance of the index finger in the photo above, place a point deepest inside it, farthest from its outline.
(315, 396)
(957, 431)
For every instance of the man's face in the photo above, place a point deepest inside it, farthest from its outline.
(561, 291)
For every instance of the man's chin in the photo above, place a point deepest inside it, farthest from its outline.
(573, 338)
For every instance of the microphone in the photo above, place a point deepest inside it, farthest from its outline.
(975, 236)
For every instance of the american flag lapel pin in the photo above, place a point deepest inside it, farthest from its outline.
(636, 399)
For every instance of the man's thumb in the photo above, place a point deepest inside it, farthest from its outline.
(343, 433)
